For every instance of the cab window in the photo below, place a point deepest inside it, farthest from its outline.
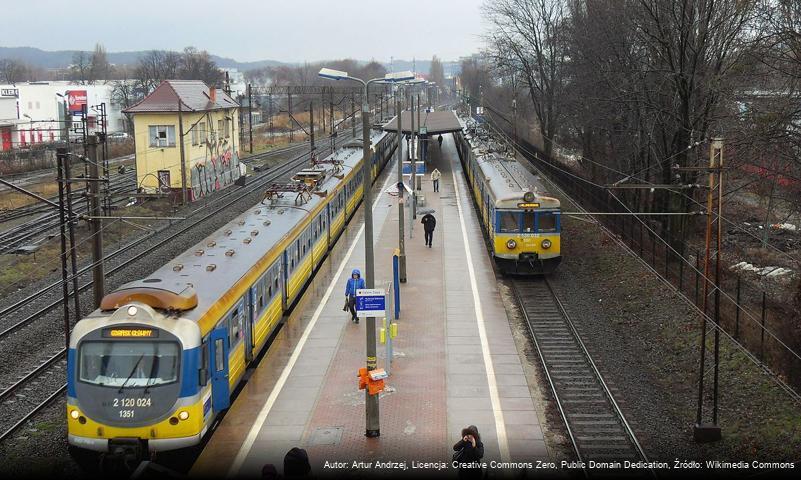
(528, 222)
(547, 222)
(508, 222)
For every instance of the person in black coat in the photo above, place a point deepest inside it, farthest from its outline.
(469, 449)
(429, 223)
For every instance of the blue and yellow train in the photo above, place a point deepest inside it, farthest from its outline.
(152, 368)
(521, 222)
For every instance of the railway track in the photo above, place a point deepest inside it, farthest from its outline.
(41, 383)
(47, 220)
(594, 421)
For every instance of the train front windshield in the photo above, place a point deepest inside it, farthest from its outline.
(126, 364)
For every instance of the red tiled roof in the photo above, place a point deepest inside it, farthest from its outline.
(193, 95)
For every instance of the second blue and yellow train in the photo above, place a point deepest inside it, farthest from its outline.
(521, 221)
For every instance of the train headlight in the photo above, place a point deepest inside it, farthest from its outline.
(183, 414)
(511, 244)
(74, 414)
(546, 244)
(132, 310)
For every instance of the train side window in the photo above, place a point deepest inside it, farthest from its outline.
(508, 222)
(275, 284)
(219, 361)
(546, 222)
(528, 222)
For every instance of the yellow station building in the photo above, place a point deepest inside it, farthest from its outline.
(189, 119)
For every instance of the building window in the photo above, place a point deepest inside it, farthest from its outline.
(194, 136)
(227, 128)
(203, 134)
(37, 105)
(162, 135)
(220, 128)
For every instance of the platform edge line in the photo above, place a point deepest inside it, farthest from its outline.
(247, 445)
(497, 411)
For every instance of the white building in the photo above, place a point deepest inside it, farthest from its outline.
(33, 112)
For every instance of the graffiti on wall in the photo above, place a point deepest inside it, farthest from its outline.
(214, 173)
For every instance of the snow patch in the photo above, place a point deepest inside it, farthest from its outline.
(768, 272)
(787, 227)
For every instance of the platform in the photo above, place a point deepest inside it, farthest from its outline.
(455, 364)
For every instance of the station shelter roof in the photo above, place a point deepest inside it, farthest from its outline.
(435, 123)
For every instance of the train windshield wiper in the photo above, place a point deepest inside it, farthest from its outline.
(133, 370)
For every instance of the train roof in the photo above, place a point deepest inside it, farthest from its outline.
(214, 264)
(507, 179)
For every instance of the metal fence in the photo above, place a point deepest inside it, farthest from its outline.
(20, 160)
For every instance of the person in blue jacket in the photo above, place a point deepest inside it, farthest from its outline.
(355, 282)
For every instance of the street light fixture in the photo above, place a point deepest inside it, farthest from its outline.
(371, 401)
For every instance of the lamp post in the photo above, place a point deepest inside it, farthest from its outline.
(371, 401)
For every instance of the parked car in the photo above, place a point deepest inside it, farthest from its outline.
(118, 135)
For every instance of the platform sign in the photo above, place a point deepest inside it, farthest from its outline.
(419, 166)
(371, 302)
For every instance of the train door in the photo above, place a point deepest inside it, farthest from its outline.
(218, 356)
(250, 318)
(284, 268)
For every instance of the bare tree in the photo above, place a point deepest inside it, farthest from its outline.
(13, 71)
(527, 36)
(436, 72)
(99, 67)
(81, 68)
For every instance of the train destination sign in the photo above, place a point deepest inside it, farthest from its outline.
(130, 333)
(528, 205)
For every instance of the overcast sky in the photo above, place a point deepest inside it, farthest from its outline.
(246, 30)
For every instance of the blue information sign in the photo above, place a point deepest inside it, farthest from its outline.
(370, 302)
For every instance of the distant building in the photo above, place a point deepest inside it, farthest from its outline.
(209, 138)
(32, 113)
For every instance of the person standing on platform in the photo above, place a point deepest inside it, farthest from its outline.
(355, 282)
(429, 223)
(468, 452)
(439, 140)
(435, 176)
(296, 463)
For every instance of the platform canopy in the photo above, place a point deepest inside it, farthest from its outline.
(435, 123)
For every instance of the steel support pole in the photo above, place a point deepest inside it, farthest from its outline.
(372, 428)
(311, 129)
(401, 206)
(71, 230)
(95, 225)
(250, 120)
(412, 151)
(182, 152)
(717, 144)
(61, 155)
(704, 432)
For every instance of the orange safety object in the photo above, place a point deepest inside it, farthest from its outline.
(364, 378)
(374, 387)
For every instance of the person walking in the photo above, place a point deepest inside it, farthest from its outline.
(429, 223)
(355, 282)
(435, 176)
(439, 140)
(468, 452)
